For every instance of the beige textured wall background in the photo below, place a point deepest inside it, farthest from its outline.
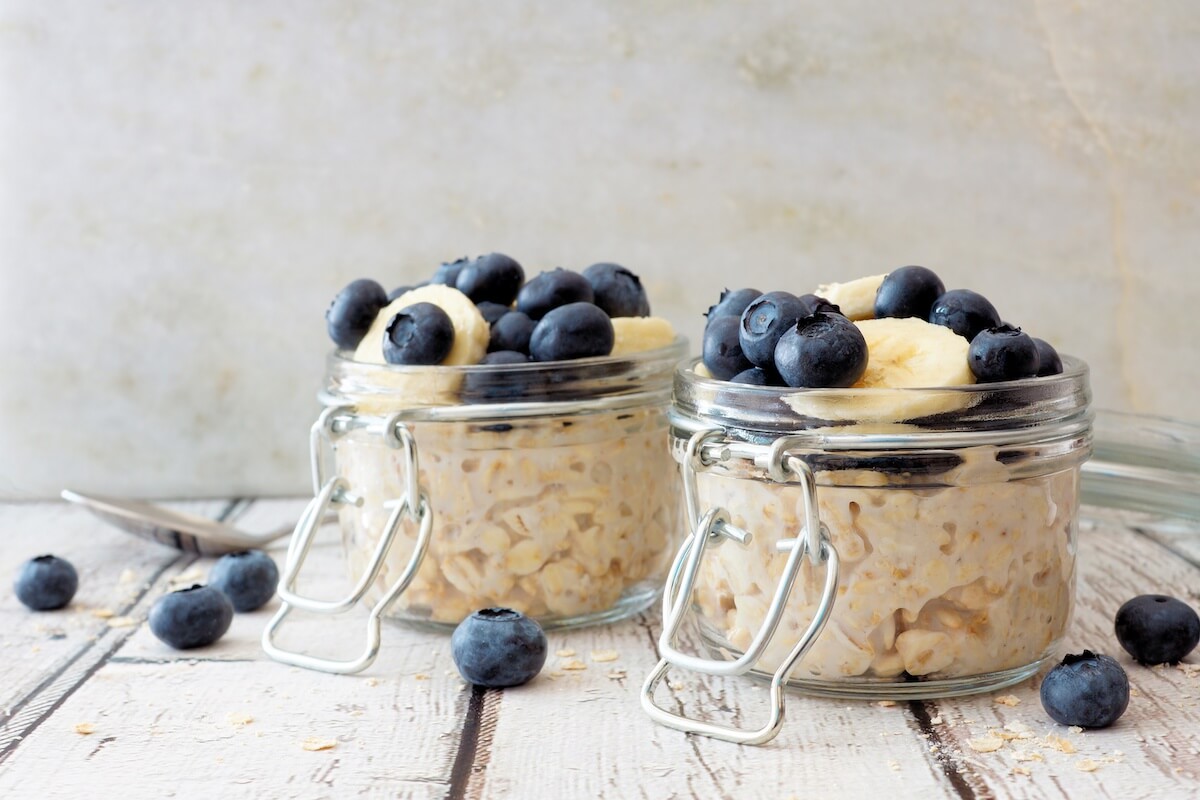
(184, 185)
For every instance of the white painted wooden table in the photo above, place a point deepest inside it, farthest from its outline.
(93, 705)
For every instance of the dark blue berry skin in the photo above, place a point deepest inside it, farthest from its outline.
(352, 311)
(1049, 362)
(732, 303)
(1156, 629)
(723, 348)
(576, 330)
(491, 311)
(553, 289)
(1088, 690)
(497, 648)
(46, 583)
(494, 277)
(505, 357)
(193, 617)
(757, 376)
(447, 274)
(248, 578)
(814, 303)
(420, 334)
(821, 351)
(501, 385)
(908, 292)
(1003, 353)
(763, 323)
(617, 290)
(512, 332)
(964, 312)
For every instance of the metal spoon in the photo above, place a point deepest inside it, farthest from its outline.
(176, 529)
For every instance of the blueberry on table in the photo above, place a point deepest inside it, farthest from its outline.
(732, 303)
(352, 311)
(617, 290)
(1002, 353)
(248, 578)
(553, 289)
(1049, 362)
(764, 321)
(821, 351)
(447, 273)
(46, 583)
(420, 334)
(964, 312)
(1088, 690)
(1156, 629)
(576, 330)
(757, 376)
(492, 311)
(494, 277)
(512, 332)
(723, 348)
(193, 617)
(498, 647)
(908, 292)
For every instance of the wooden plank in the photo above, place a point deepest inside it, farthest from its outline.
(1153, 751)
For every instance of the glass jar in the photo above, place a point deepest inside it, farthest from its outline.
(910, 543)
(547, 488)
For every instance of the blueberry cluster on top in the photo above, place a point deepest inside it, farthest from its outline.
(557, 315)
(781, 339)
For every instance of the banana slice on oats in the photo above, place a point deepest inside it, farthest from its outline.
(855, 298)
(639, 334)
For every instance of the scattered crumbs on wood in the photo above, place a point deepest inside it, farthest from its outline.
(1133, 692)
(85, 728)
(1020, 770)
(1075, 729)
(985, 744)
(616, 674)
(127, 577)
(572, 665)
(314, 744)
(103, 613)
(885, 703)
(936, 720)
(1013, 730)
(1059, 743)
(1026, 755)
(602, 656)
(193, 575)
(934, 749)
(1189, 670)
(372, 682)
(124, 622)
(894, 765)
(1007, 700)
(566, 652)
(420, 676)
(239, 719)
(1086, 765)
(554, 674)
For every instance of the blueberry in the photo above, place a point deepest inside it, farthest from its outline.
(813, 304)
(1087, 690)
(494, 277)
(447, 274)
(732, 303)
(498, 647)
(352, 311)
(497, 357)
(757, 376)
(723, 349)
(908, 292)
(823, 350)
(550, 290)
(420, 334)
(964, 312)
(1155, 629)
(512, 332)
(764, 321)
(1002, 353)
(192, 617)
(576, 330)
(501, 384)
(395, 294)
(248, 578)
(1049, 362)
(492, 311)
(46, 583)
(617, 290)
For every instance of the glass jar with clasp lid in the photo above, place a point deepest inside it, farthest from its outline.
(873, 543)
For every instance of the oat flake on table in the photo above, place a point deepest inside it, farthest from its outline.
(602, 656)
(85, 728)
(1007, 700)
(572, 664)
(313, 744)
(1086, 765)
(985, 744)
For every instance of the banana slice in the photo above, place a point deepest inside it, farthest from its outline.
(855, 298)
(638, 334)
(902, 355)
(429, 387)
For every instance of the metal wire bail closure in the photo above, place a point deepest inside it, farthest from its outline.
(414, 504)
(711, 529)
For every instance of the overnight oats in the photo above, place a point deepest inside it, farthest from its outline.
(937, 450)
(536, 412)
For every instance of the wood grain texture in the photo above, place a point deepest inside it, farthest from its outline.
(227, 721)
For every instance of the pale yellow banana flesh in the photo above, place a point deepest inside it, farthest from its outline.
(471, 330)
(639, 334)
(855, 298)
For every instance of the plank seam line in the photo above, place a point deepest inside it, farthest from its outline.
(1145, 534)
(958, 779)
(488, 720)
(468, 741)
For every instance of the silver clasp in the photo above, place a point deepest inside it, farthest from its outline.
(712, 528)
(414, 504)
